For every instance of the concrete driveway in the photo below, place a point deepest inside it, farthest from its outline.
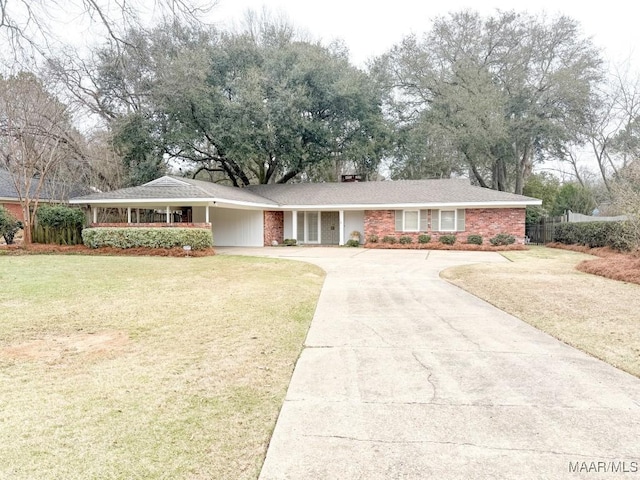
(405, 376)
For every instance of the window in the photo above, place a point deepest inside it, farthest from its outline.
(448, 220)
(411, 221)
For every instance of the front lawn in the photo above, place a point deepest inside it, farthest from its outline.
(542, 287)
(146, 367)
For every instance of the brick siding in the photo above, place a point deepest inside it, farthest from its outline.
(14, 209)
(487, 222)
(273, 227)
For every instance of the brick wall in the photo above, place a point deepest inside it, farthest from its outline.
(273, 227)
(487, 222)
(14, 209)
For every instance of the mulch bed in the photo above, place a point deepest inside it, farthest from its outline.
(612, 264)
(46, 249)
(441, 246)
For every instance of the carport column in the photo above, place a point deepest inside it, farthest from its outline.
(128, 214)
(206, 214)
(95, 214)
(294, 224)
(137, 215)
(341, 222)
(168, 214)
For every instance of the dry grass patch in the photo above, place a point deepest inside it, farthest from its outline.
(120, 367)
(542, 287)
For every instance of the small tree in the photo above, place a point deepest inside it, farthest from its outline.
(9, 225)
(626, 195)
(36, 137)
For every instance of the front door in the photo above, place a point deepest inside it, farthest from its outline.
(330, 228)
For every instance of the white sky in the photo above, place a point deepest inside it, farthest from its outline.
(369, 28)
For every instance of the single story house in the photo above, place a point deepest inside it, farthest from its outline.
(10, 200)
(317, 213)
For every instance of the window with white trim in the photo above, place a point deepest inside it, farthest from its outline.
(448, 220)
(411, 220)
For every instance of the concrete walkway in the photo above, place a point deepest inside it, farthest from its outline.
(405, 376)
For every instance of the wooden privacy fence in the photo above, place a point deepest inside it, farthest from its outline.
(56, 235)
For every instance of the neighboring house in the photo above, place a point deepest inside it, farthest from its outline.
(10, 199)
(320, 213)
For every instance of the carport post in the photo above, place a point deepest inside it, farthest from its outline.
(341, 222)
(168, 214)
(137, 215)
(95, 214)
(128, 214)
(206, 214)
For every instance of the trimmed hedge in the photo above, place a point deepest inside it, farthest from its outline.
(474, 239)
(502, 239)
(448, 239)
(616, 235)
(163, 237)
(60, 216)
(424, 238)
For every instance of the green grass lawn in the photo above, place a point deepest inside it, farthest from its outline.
(146, 367)
(542, 287)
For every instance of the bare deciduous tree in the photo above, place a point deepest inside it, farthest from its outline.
(36, 138)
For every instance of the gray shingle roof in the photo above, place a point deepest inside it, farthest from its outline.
(391, 192)
(8, 190)
(177, 188)
(402, 192)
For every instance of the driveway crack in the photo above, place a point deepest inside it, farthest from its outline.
(442, 442)
(428, 369)
(464, 335)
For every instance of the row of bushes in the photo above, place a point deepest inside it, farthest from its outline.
(123, 237)
(617, 235)
(500, 239)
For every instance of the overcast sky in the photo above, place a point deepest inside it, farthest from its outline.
(370, 28)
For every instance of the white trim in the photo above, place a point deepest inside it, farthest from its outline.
(409, 206)
(341, 227)
(215, 202)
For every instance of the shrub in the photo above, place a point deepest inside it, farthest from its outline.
(60, 216)
(474, 239)
(424, 238)
(616, 235)
(405, 239)
(290, 242)
(389, 239)
(9, 225)
(353, 243)
(373, 239)
(120, 237)
(502, 239)
(448, 239)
